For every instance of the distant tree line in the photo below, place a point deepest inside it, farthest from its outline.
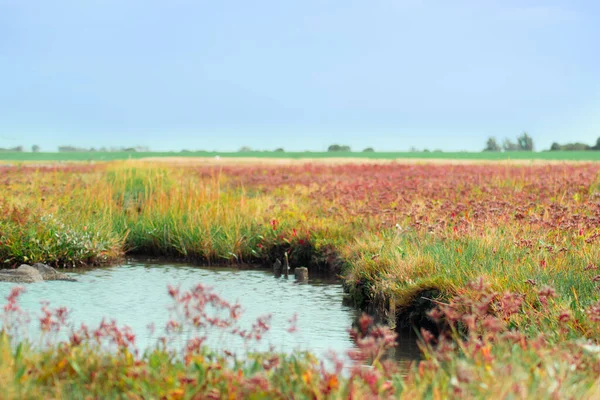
(524, 143)
(338, 147)
(344, 148)
(575, 146)
(17, 149)
(67, 149)
(248, 149)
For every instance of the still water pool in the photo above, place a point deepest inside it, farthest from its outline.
(136, 295)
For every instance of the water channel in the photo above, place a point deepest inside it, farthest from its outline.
(135, 294)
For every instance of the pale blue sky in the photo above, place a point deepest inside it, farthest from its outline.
(303, 74)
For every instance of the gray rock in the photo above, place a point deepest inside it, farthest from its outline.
(46, 271)
(30, 274)
(24, 274)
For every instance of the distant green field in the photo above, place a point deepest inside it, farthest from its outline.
(108, 156)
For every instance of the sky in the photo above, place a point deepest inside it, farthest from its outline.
(219, 75)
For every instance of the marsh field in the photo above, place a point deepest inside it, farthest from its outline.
(492, 267)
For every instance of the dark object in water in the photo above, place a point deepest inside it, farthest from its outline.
(301, 274)
(277, 267)
(286, 264)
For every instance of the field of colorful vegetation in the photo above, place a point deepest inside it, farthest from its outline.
(495, 266)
